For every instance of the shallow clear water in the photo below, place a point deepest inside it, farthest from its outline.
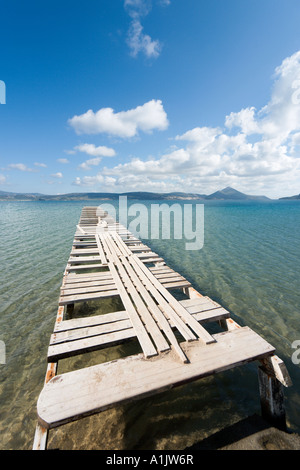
(249, 263)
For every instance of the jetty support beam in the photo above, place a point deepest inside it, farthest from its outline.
(271, 399)
(272, 378)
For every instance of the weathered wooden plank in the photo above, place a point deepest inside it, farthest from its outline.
(87, 391)
(130, 240)
(172, 276)
(94, 320)
(73, 348)
(84, 244)
(80, 229)
(85, 237)
(76, 334)
(84, 259)
(196, 301)
(151, 254)
(88, 276)
(104, 286)
(86, 281)
(163, 270)
(210, 315)
(100, 249)
(208, 309)
(86, 284)
(85, 251)
(85, 266)
(203, 303)
(138, 248)
(152, 260)
(71, 299)
(176, 285)
(69, 283)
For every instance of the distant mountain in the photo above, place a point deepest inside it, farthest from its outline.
(228, 194)
(234, 195)
(290, 198)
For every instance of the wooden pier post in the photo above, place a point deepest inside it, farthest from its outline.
(271, 399)
(191, 293)
(272, 377)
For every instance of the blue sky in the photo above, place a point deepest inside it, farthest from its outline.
(152, 95)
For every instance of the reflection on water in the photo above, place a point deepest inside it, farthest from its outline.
(249, 264)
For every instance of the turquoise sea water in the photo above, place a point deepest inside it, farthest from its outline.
(249, 263)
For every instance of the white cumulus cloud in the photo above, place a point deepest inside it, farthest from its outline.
(244, 119)
(97, 152)
(147, 117)
(91, 149)
(89, 163)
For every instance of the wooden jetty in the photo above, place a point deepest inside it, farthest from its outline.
(106, 260)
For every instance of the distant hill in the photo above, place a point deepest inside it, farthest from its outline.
(290, 198)
(140, 195)
(234, 195)
(227, 194)
(7, 196)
